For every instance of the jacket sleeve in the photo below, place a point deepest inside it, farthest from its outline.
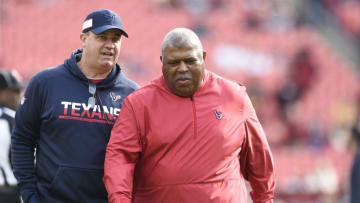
(122, 154)
(23, 141)
(256, 161)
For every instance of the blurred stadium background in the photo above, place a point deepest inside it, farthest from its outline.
(298, 58)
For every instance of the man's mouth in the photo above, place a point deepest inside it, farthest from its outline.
(182, 80)
(107, 54)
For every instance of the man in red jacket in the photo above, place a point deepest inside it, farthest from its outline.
(189, 136)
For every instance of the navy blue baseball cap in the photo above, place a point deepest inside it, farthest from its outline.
(101, 20)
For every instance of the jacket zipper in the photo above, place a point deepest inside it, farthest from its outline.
(194, 116)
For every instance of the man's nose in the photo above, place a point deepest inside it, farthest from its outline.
(183, 67)
(109, 44)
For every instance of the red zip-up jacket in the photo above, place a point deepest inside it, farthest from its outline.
(170, 149)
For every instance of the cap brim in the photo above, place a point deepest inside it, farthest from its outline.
(102, 29)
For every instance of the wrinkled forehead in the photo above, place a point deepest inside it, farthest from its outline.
(171, 53)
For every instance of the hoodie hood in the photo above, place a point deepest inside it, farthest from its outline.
(73, 68)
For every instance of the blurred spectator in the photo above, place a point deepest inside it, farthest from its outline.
(298, 82)
(10, 91)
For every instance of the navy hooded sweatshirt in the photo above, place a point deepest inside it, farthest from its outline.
(69, 136)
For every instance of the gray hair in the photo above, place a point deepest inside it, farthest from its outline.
(179, 38)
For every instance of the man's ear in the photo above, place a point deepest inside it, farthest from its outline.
(204, 55)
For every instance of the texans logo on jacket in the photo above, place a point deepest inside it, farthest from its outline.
(84, 112)
(115, 97)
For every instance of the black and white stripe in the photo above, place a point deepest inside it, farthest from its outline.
(6, 125)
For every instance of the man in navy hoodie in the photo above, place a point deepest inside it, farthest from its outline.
(63, 123)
